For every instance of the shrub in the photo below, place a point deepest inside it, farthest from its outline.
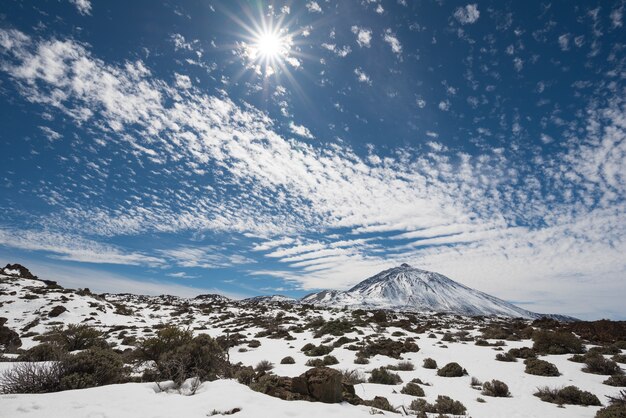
(319, 350)
(540, 367)
(75, 337)
(361, 360)
(200, 357)
(598, 364)
(557, 342)
(405, 366)
(168, 339)
(619, 358)
(352, 377)
(507, 357)
(31, 378)
(335, 327)
(42, 352)
(254, 344)
(451, 370)
(326, 361)
(412, 389)
(618, 380)
(92, 367)
(384, 377)
(443, 405)
(389, 348)
(569, 395)
(496, 388)
(429, 363)
(523, 352)
(616, 408)
(264, 366)
(288, 360)
(475, 382)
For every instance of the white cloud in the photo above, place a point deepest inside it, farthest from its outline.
(393, 42)
(363, 36)
(303, 131)
(468, 14)
(313, 7)
(572, 203)
(182, 81)
(362, 77)
(83, 6)
(564, 41)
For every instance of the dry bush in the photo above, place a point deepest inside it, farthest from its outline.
(570, 395)
(451, 370)
(557, 342)
(352, 377)
(384, 377)
(598, 364)
(31, 378)
(496, 388)
(264, 366)
(540, 367)
(429, 363)
(412, 389)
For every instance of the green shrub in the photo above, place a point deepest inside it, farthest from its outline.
(429, 363)
(319, 350)
(569, 395)
(496, 388)
(619, 358)
(288, 360)
(92, 367)
(618, 380)
(326, 361)
(507, 357)
(540, 367)
(598, 364)
(264, 366)
(335, 327)
(443, 405)
(616, 408)
(361, 360)
(352, 377)
(384, 377)
(523, 352)
(557, 342)
(389, 348)
(405, 366)
(75, 337)
(412, 389)
(168, 339)
(451, 370)
(42, 352)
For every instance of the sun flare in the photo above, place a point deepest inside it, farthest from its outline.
(270, 46)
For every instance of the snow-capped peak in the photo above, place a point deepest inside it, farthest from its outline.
(408, 288)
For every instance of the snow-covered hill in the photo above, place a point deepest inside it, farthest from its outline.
(409, 288)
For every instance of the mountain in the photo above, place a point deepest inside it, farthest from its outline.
(409, 288)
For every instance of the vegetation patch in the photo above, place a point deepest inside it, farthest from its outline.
(540, 367)
(569, 395)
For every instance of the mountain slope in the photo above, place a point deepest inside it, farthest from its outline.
(409, 288)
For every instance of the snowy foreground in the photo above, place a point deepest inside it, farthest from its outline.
(124, 316)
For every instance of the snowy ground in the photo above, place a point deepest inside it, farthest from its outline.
(215, 317)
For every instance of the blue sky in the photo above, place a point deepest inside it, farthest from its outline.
(251, 147)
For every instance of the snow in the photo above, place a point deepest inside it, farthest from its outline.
(408, 288)
(139, 400)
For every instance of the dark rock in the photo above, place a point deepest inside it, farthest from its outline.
(56, 311)
(9, 339)
(379, 402)
(23, 271)
(322, 383)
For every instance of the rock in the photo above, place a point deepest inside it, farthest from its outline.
(379, 402)
(323, 384)
(23, 272)
(56, 311)
(9, 339)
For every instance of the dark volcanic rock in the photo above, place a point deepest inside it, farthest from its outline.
(9, 339)
(23, 271)
(323, 384)
(56, 311)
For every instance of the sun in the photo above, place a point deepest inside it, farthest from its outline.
(270, 46)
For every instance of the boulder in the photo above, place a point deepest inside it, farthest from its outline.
(323, 384)
(56, 311)
(9, 339)
(23, 272)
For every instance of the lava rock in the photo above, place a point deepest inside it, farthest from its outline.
(56, 311)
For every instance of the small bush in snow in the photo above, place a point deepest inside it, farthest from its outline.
(405, 366)
(443, 405)
(451, 370)
(496, 388)
(429, 363)
(31, 378)
(412, 389)
(352, 377)
(288, 360)
(74, 337)
(506, 357)
(616, 408)
(618, 380)
(264, 366)
(42, 352)
(540, 367)
(570, 395)
(598, 364)
(557, 342)
(384, 377)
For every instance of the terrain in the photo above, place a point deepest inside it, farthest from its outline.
(389, 361)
